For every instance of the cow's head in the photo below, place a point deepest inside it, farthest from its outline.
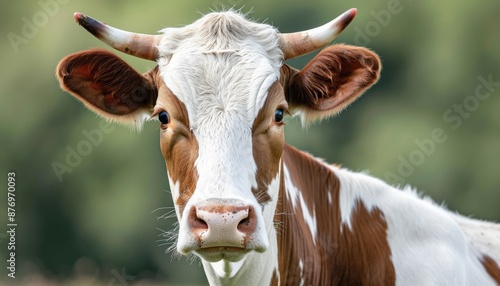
(220, 92)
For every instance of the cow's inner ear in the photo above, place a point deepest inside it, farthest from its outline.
(332, 80)
(107, 85)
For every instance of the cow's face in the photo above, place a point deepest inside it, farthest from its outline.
(221, 109)
(220, 92)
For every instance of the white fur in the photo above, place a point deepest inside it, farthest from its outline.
(483, 235)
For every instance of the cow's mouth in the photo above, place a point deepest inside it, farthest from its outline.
(217, 253)
(223, 249)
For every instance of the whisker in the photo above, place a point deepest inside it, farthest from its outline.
(168, 215)
(162, 208)
(169, 239)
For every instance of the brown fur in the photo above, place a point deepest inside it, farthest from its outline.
(492, 268)
(360, 256)
(178, 145)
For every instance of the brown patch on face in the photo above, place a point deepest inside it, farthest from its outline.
(178, 145)
(492, 268)
(267, 142)
(360, 256)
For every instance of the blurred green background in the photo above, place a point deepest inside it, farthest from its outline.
(99, 224)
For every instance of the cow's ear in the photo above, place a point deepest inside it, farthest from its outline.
(330, 81)
(108, 86)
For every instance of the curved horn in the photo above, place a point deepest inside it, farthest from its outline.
(301, 43)
(139, 45)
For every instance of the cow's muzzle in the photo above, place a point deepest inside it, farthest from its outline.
(223, 229)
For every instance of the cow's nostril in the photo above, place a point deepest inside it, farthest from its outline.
(247, 225)
(199, 223)
(243, 224)
(196, 223)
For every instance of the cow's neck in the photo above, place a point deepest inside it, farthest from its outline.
(314, 248)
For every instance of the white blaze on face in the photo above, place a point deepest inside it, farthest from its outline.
(221, 68)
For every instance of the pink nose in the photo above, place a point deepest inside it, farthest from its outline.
(222, 223)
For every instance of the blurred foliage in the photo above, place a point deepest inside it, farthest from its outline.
(102, 218)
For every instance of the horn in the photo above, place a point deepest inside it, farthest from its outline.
(301, 43)
(139, 45)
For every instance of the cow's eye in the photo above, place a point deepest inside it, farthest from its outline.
(278, 115)
(164, 117)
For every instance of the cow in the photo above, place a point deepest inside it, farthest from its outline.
(254, 209)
